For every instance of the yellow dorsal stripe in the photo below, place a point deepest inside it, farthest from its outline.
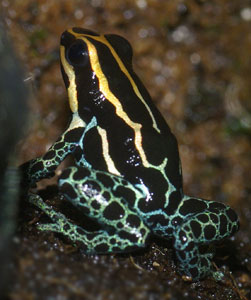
(105, 146)
(103, 40)
(72, 89)
(104, 88)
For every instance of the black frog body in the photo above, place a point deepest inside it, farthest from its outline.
(128, 174)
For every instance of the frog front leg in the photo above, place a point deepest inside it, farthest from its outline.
(45, 166)
(204, 222)
(95, 194)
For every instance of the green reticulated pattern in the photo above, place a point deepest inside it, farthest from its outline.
(45, 166)
(193, 238)
(90, 191)
(102, 196)
(120, 207)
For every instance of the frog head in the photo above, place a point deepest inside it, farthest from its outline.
(89, 62)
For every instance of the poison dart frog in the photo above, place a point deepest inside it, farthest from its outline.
(127, 174)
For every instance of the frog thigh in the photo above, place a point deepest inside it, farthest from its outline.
(94, 193)
(216, 222)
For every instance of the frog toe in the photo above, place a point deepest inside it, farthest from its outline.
(49, 227)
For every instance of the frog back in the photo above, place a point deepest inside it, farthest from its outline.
(131, 138)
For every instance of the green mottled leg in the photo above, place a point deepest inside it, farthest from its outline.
(93, 192)
(197, 263)
(196, 232)
(92, 242)
(45, 166)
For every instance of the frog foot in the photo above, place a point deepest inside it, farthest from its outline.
(196, 235)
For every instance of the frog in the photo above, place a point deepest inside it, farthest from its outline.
(127, 173)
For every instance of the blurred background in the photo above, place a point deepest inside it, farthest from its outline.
(194, 58)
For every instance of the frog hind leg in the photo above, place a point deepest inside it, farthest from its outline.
(123, 229)
(205, 222)
(91, 242)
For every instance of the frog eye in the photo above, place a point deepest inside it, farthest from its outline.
(77, 54)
